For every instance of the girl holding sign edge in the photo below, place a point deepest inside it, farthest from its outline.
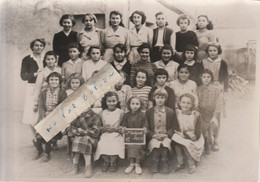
(135, 118)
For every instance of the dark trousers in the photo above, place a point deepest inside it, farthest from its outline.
(158, 154)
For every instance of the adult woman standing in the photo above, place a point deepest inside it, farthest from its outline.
(114, 34)
(63, 38)
(139, 34)
(31, 66)
(89, 36)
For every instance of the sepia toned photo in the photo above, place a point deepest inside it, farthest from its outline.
(129, 90)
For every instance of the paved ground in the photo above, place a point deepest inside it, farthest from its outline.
(236, 161)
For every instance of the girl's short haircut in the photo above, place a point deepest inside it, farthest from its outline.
(129, 101)
(91, 16)
(146, 74)
(215, 44)
(50, 53)
(190, 47)
(73, 45)
(167, 47)
(209, 26)
(182, 17)
(141, 13)
(104, 100)
(144, 46)
(208, 72)
(160, 71)
(67, 16)
(120, 46)
(160, 91)
(54, 74)
(161, 13)
(192, 98)
(37, 40)
(116, 13)
(183, 66)
(75, 76)
(93, 47)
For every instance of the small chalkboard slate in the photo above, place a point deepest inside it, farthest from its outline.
(134, 136)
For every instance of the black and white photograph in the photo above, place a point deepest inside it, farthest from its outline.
(129, 90)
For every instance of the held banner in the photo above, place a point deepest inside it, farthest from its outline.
(78, 102)
(134, 136)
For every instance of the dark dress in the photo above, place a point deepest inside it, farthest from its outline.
(60, 43)
(136, 120)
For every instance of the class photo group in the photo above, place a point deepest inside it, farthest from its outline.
(173, 88)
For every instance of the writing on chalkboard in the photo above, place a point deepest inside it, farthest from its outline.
(134, 136)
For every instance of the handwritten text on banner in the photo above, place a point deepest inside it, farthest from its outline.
(78, 102)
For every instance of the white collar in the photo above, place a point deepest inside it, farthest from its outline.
(122, 63)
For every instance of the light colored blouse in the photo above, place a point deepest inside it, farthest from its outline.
(89, 67)
(144, 35)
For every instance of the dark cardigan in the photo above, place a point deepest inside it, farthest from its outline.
(171, 122)
(166, 35)
(29, 67)
(42, 102)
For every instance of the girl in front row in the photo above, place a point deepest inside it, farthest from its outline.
(135, 119)
(49, 99)
(189, 139)
(161, 125)
(111, 143)
(85, 132)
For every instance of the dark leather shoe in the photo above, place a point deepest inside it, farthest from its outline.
(154, 167)
(113, 167)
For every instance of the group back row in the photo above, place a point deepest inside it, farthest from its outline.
(158, 68)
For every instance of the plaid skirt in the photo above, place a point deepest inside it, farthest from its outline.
(83, 144)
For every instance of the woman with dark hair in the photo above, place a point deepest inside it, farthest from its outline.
(89, 36)
(63, 38)
(31, 66)
(138, 34)
(114, 34)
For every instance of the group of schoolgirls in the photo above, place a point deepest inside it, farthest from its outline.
(175, 95)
